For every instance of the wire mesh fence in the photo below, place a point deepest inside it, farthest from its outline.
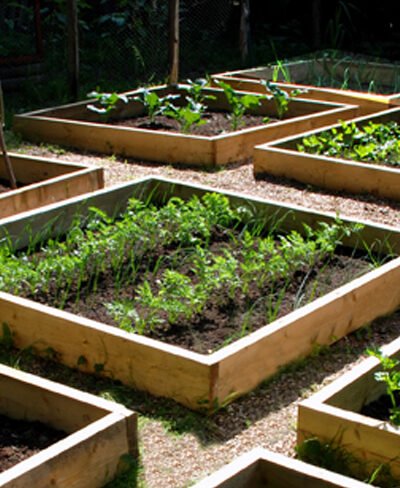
(124, 43)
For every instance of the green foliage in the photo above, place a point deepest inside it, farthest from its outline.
(328, 455)
(6, 340)
(281, 97)
(373, 142)
(129, 474)
(333, 456)
(390, 376)
(239, 104)
(195, 90)
(188, 115)
(153, 104)
(167, 259)
(105, 102)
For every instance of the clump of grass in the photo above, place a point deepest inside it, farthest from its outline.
(333, 456)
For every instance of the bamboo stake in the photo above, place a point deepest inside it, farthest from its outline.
(9, 168)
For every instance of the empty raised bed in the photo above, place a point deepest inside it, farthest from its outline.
(95, 433)
(42, 181)
(76, 125)
(198, 380)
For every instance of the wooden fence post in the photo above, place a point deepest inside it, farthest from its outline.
(173, 41)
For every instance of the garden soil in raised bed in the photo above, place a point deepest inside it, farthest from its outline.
(379, 408)
(225, 318)
(190, 447)
(5, 186)
(20, 439)
(222, 321)
(216, 123)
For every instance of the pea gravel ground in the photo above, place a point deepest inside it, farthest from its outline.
(178, 455)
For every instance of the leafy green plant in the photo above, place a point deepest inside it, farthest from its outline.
(154, 104)
(195, 90)
(390, 376)
(188, 115)
(373, 142)
(105, 102)
(281, 97)
(166, 264)
(239, 104)
(191, 114)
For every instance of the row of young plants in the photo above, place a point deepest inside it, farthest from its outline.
(163, 266)
(191, 109)
(373, 142)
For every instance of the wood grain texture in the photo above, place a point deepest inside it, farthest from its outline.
(193, 379)
(99, 433)
(261, 468)
(74, 125)
(281, 158)
(46, 181)
(333, 415)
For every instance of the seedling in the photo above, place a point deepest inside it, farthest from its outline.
(106, 102)
(239, 104)
(195, 90)
(187, 116)
(390, 376)
(153, 104)
(192, 113)
(171, 263)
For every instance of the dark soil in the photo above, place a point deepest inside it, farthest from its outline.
(216, 123)
(380, 408)
(20, 439)
(5, 186)
(226, 318)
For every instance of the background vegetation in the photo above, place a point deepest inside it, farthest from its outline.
(123, 43)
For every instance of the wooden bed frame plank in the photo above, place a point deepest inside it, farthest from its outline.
(47, 181)
(99, 433)
(197, 381)
(261, 468)
(333, 415)
(73, 125)
(282, 159)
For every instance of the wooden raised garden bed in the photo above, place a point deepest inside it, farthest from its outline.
(43, 181)
(334, 415)
(97, 433)
(75, 125)
(282, 158)
(326, 78)
(261, 468)
(197, 380)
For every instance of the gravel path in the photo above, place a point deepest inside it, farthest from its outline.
(266, 417)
